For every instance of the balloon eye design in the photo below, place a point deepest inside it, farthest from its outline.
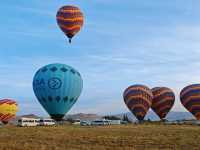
(54, 83)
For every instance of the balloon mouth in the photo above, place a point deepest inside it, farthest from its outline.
(57, 117)
(140, 118)
(70, 36)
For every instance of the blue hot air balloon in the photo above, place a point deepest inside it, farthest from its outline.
(57, 88)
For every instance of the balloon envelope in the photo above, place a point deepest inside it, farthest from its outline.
(8, 109)
(163, 101)
(138, 99)
(190, 98)
(57, 87)
(70, 20)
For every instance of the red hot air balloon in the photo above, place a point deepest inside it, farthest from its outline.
(138, 99)
(70, 20)
(190, 98)
(163, 100)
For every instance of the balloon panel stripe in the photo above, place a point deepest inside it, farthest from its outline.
(137, 92)
(190, 87)
(137, 88)
(160, 96)
(164, 107)
(70, 24)
(162, 101)
(157, 94)
(69, 16)
(73, 19)
(190, 93)
(137, 97)
(138, 106)
(191, 98)
(138, 101)
(192, 102)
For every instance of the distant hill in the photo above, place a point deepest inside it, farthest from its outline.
(30, 116)
(152, 116)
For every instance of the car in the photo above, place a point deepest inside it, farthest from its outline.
(85, 123)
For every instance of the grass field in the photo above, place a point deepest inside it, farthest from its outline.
(133, 137)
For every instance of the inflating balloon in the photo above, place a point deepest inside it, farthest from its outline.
(138, 99)
(70, 20)
(190, 98)
(57, 87)
(163, 101)
(8, 109)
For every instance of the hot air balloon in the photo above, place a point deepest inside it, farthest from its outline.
(190, 98)
(138, 99)
(163, 100)
(70, 20)
(57, 88)
(8, 109)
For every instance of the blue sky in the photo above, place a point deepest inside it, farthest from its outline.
(152, 42)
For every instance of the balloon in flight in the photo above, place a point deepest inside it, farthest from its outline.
(57, 88)
(163, 101)
(190, 98)
(8, 109)
(70, 19)
(138, 99)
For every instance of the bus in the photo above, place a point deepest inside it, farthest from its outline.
(31, 122)
(28, 122)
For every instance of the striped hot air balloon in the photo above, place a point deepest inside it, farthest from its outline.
(163, 101)
(8, 109)
(138, 99)
(70, 20)
(190, 98)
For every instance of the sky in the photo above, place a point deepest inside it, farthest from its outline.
(154, 42)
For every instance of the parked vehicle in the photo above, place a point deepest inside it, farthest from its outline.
(47, 122)
(100, 122)
(77, 122)
(29, 122)
(85, 123)
(114, 122)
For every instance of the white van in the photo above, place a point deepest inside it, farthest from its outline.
(28, 122)
(47, 122)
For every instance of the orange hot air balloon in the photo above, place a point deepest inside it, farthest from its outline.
(163, 100)
(8, 109)
(70, 20)
(190, 98)
(138, 99)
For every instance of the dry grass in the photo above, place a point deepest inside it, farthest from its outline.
(133, 137)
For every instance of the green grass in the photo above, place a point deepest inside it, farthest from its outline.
(133, 137)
